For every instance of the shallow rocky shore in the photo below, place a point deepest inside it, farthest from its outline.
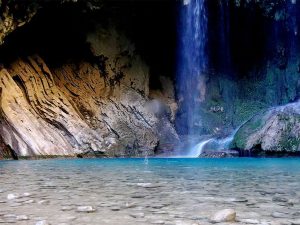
(81, 192)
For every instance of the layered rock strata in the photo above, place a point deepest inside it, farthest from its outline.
(101, 105)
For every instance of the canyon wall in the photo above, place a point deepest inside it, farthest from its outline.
(98, 105)
(98, 78)
(82, 107)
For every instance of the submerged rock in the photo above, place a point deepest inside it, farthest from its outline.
(279, 199)
(86, 209)
(22, 217)
(12, 196)
(42, 222)
(137, 215)
(225, 215)
(279, 215)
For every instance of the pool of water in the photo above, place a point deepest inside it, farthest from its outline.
(156, 191)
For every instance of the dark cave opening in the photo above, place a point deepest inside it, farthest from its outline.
(61, 38)
(239, 38)
(243, 38)
(57, 39)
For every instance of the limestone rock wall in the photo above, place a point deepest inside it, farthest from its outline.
(96, 105)
(37, 117)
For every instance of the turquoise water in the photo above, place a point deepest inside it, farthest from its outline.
(156, 191)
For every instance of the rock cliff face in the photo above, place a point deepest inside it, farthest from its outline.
(115, 101)
(78, 108)
(97, 105)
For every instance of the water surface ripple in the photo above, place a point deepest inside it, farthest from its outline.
(161, 191)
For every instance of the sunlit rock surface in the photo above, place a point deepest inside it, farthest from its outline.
(101, 106)
(37, 117)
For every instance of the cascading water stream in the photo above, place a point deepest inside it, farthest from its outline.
(192, 66)
(192, 61)
(197, 150)
(218, 144)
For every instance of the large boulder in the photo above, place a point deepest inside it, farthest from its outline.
(273, 130)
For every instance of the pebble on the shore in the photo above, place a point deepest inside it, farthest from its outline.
(42, 222)
(225, 215)
(22, 217)
(12, 196)
(87, 209)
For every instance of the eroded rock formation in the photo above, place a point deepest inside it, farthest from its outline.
(37, 117)
(101, 105)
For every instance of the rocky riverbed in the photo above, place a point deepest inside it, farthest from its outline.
(157, 191)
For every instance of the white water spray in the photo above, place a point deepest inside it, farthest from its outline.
(192, 62)
(198, 149)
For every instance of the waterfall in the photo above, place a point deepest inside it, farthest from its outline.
(192, 62)
(197, 150)
(192, 66)
(213, 144)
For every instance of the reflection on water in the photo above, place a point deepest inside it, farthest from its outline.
(163, 191)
